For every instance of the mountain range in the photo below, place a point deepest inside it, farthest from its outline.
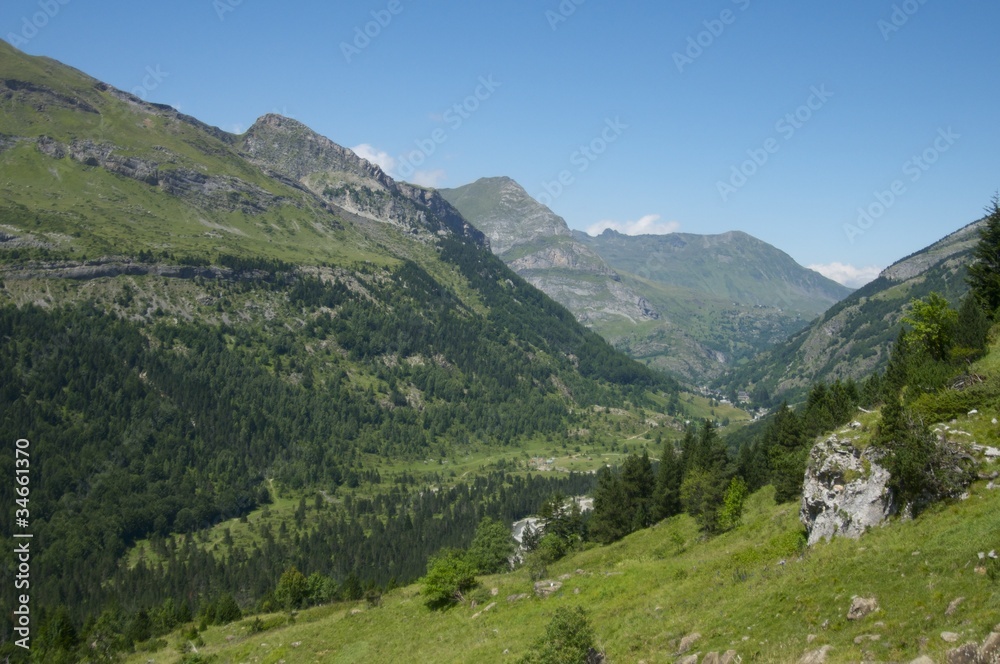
(256, 374)
(693, 305)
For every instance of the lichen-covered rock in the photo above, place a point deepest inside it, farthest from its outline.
(845, 491)
(861, 607)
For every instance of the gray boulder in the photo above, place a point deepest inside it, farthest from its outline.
(845, 491)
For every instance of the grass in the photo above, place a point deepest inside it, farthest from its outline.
(752, 590)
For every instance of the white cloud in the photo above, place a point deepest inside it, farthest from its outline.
(848, 275)
(382, 159)
(647, 225)
(432, 179)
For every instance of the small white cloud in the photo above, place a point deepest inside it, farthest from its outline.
(848, 275)
(647, 225)
(382, 159)
(432, 179)
(236, 128)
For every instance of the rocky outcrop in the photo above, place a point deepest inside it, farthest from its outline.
(845, 490)
(212, 191)
(292, 150)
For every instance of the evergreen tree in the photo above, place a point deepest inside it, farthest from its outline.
(562, 519)
(689, 448)
(610, 520)
(710, 453)
(705, 482)
(753, 464)
(667, 497)
(897, 371)
(638, 483)
(787, 450)
(702, 494)
(984, 273)
(972, 328)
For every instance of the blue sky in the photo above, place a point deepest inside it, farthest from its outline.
(848, 132)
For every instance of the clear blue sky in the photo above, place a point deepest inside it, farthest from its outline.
(663, 132)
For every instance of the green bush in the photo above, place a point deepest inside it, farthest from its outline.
(569, 639)
(450, 574)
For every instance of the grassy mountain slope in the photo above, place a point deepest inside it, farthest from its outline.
(753, 590)
(852, 339)
(756, 590)
(192, 320)
(731, 266)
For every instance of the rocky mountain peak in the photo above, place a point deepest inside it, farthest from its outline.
(343, 179)
(295, 150)
(506, 213)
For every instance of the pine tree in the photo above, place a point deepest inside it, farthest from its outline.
(984, 273)
(972, 328)
(787, 454)
(638, 482)
(610, 520)
(667, 496)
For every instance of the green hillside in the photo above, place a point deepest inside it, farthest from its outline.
(197, 326)
(756, 590)
(852, 339)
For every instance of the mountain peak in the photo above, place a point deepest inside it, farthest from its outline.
(501, 208)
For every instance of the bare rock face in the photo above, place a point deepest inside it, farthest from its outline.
(845, 491)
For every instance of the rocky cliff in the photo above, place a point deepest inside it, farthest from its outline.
(291, 150)
(538, 245)
(846, 490)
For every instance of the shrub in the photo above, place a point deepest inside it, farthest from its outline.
(569, 639)
(450, 574)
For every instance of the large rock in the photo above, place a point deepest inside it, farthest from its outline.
(861, 607)
(845, 491)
